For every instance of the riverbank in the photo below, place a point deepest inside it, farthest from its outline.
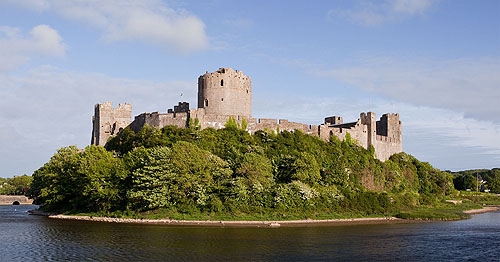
(482, 210)
(215, 223)
(252, 223)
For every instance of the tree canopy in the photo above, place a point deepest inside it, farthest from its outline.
(229, 170)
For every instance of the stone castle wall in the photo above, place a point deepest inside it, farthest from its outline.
(226, 94)
(384, 135)
(357, 131)
(108, 121)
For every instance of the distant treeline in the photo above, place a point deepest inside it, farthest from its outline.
(486, 179)
(230, 171)
(17, 185)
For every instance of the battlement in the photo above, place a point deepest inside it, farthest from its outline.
(389, 126)
(390, 115)
(181, 107)
(109, 106)
(226, 72)
(333, 120)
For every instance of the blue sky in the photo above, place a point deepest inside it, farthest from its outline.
(437, 63)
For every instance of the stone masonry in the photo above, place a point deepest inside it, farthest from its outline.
(227, 93)
(108, 121)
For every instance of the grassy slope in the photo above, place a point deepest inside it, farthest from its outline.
(440, 211)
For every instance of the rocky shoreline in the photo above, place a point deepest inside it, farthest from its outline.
(243, 223)
(482, 210)
(218, 223)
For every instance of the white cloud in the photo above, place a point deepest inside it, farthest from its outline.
(149, 21)
(16, 48)
(470, 86)
(411, 7)
(372, 13)
(47, 108)
(47, 40)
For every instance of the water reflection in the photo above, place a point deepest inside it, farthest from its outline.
(25, 237)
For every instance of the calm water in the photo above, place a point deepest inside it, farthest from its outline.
(32, 238)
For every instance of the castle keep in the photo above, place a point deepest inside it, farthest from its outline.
(228, 93)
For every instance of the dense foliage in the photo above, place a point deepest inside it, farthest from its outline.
(230, 171)
(17, 185)
(467, 179)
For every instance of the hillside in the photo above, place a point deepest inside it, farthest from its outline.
(228, 172)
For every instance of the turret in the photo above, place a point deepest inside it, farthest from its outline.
(108, 121)
(369, 119)
(390, 126)
(225, 92)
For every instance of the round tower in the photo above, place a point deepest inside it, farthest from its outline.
(225, 92)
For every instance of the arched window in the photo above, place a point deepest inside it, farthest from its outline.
(206, 102)
(222, 82)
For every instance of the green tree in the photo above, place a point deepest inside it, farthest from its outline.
(244, 124)
(99, 173)
(181, 177)
(231, 123)
(78, 179)
(307, 169)
(54, 184)
(493, 180)
(17, 185)
(151, 176)
(256, 169)
(302, 167)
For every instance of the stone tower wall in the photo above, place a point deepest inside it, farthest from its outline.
(369, 119)
(108, 121)
(389, 139)
(226, 92)
(390, 126)
(386, 147)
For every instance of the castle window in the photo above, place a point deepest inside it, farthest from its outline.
(222, 99)
(247, 91)
(206, 102)
(222, 82)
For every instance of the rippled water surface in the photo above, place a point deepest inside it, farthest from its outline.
(32, 238)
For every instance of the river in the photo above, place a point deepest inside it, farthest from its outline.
(33, 238)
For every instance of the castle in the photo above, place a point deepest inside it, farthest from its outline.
(228, 93)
